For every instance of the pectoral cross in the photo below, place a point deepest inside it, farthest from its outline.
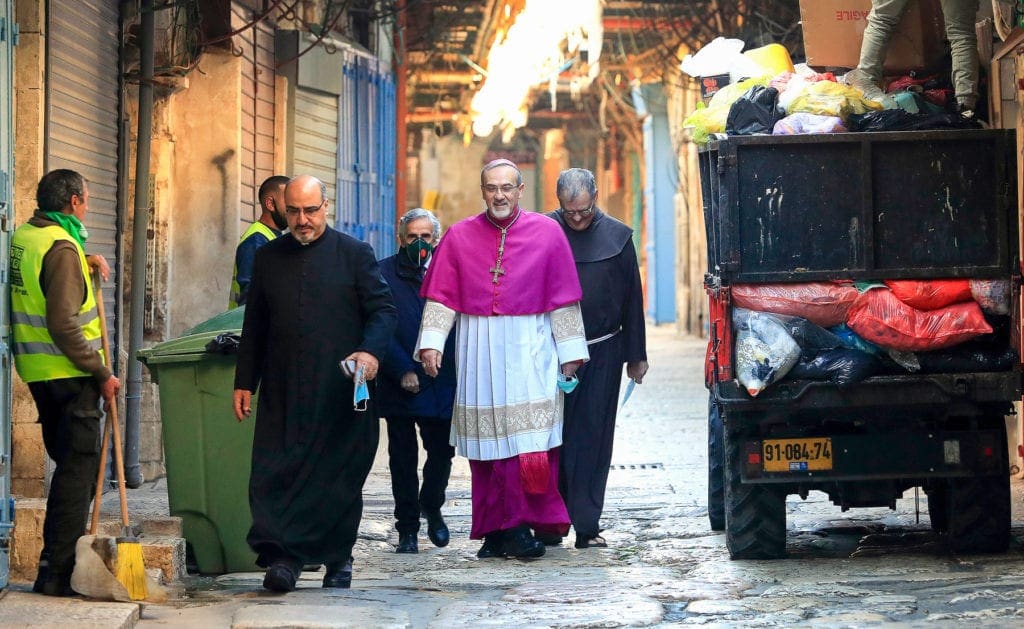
(497, 270)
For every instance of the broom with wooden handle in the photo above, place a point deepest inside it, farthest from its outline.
(131, 570)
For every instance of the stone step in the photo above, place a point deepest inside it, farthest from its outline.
(163, 547)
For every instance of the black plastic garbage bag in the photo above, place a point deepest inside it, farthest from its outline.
(962, 358)
(842, 367)
(756, 111)
(900, 120)
(811, 338)
(224, 343)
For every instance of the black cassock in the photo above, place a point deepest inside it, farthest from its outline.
(309, 307)
(612, 305)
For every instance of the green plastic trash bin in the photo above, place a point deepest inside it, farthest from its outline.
(230, 320)
(207, 451)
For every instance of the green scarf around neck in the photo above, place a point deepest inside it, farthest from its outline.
(71, 225)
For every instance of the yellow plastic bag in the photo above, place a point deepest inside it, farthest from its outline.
(773, 58)
(829, 98)
(705, 121)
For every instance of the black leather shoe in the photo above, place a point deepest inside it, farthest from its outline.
(280, 577)
(52, 584)
(548, 539)
(407, 544)
(492, 546)
(339, 575)
(437, 530)
(519, 543)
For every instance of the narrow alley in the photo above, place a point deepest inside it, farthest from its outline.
(664, 566)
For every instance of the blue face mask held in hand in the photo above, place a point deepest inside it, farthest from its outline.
(567, 383)
(362, 392)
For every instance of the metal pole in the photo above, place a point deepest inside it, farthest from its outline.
(133, 398)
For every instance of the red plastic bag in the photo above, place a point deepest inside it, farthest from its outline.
(878, 316)
(930, 294)
(823, 303)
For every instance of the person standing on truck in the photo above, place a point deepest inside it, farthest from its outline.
(613, 316)
(507, 276)
(57, 352)
(963, 40)
(272, 222)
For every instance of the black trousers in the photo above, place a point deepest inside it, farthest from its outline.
(70, 415)
(588, 434)
(403, 455)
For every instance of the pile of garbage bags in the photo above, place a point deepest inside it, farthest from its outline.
(769, 96)
(844, 332)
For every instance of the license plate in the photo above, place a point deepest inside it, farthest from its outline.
(797, 455)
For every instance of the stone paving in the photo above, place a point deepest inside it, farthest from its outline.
(664, 566)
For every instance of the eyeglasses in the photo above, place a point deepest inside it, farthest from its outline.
(582, 213)
(308, 211)
(505, 189)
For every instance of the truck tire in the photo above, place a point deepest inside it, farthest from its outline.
(755, 515)
(716, 467)
(978, 514)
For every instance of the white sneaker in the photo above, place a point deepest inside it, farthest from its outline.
(856, 78)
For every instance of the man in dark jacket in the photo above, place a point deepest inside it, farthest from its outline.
(410, 398)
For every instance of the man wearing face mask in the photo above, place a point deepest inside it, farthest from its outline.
(272, 222)
(613, 315)
(410, 398)
(507, 276)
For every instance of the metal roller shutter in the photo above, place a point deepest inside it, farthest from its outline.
(83, 105)
(316, 140)
(257, 159)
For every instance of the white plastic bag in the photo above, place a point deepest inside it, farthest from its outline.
(765, 352)
(722, 56)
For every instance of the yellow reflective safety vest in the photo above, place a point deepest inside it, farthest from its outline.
(236, 289)
(36, 357)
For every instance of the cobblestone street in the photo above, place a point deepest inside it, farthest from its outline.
(663, 567)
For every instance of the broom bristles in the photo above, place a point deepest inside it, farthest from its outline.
(131, 570)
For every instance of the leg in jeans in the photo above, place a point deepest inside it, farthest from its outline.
(403, 457)
(963, 42)
(70, 417)
(438, 467)
(882, 21)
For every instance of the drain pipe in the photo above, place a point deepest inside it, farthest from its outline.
(140, 227)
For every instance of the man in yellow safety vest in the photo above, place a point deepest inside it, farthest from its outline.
(57, 352)
(272, 222)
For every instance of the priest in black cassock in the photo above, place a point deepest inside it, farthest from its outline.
(316, 298)
(613, 316)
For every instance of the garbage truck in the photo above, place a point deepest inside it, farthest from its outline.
(854, 210)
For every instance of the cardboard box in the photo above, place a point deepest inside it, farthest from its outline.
(833, 30)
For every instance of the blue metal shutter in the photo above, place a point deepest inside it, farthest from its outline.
(366, 153)
(82, 121)
(6, 221)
